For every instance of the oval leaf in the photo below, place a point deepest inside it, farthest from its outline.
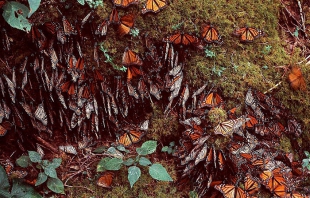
(34, 156)
(129, 162)
(101, 164)
(142, 151)
(34, 5)
(113, 164)
(164, 149)
(22, 190)
(56, 162)
(55, 185)
(150, 146)
(158, 172)
(50, 171)
(134, 174)
(42, 177)
(143, 161)
(23, 161)
(4, 182)
(15, 14)
(100, 149)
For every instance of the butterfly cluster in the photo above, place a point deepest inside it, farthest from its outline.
(236, 156)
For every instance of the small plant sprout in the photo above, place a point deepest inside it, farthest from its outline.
(209, 53)
(91, 3)
(218, 71)
(267, 49)
(306, 161)
(115, 162)
(109, 59)
(19, 188)
(134, 32)
(169, 149)
(47, 169)
(177, 26)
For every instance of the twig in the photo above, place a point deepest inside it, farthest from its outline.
(302, 16)
(272, 88)
(48, 145)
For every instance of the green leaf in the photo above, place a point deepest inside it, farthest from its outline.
(34, 156)
(305, 162)
(164, 149)
(15, 14)
(22, 190)
(34, 5)
(100, 149)
(55, 185)
(193, 194)
(129, 162)
(50, 171)
(144, 161)
(42, 177)
(142, 151)
(169, 150)
(172, 144)
(149, 146)
(100, 166)
(115, 153)
(82, 2)
(113, 164)
(134, 174)
(4, 182)
(23, 161)
(122, 148)
(158, 172)
(55, 163)
(307, 153)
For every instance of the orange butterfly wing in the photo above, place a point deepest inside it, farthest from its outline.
(154, 6)
(106, 180)
(127, 23)
(4, 127)
(296, 79)
(125, 3)
(131, 58)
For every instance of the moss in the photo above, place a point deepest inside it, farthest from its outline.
(162, 125)
(217, 115)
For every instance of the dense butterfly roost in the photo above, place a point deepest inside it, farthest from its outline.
(240, 149)
(58, 92)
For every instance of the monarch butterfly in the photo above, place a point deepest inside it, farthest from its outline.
(296, 79)
(4, 127)
(212, 100)
(248, 34)
(131, 58)
(68, 149)
(154, 90)
(130, 137)
(154, 6)
(231, 191)
(251, 184)
(182, 39)
(221, 160)
(68, 87)
(192, 155)
(51, 27)
(61, 37)
(40, 114)
(102, 28)
(68, 27)
(202, 154)
(142, 89)
(106, 179)
(274, 181)
(227, 128)
(125, 3)
(53, 56)
(114, 17)
(12, 87)
(133, 71)
(194, 133)
(210, 34)
(132, 91)
(251, 123)
(293, 127)
(126, 23)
